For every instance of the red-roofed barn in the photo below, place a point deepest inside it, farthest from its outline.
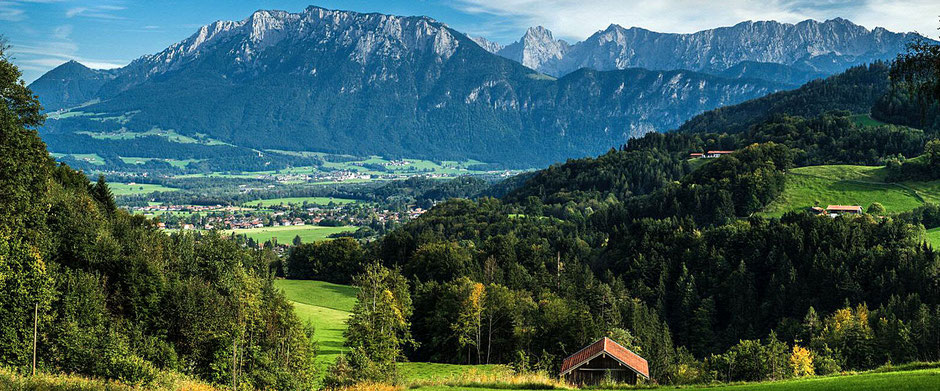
(591, 365)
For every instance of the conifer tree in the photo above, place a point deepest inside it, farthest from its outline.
(102, 193)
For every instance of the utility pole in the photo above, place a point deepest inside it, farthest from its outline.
(35, 336)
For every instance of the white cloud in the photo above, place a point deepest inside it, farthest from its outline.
(577, 19)
(9, 13)
(97, 12)
(62, 32)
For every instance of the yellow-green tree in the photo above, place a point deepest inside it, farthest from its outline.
(468, 325)
(801, 360)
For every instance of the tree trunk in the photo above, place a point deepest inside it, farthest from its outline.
(489, 339)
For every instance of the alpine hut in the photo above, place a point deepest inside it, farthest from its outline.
(597, 361)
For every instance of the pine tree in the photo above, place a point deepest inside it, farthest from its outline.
(102, 193)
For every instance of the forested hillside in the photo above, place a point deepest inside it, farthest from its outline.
(118, 298)
(856, 91)
(671, 256)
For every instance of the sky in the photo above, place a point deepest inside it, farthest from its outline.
(110, 33)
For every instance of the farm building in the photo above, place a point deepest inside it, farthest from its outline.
(602, 359)
(709, 154)
(844, 209)
(716, 154)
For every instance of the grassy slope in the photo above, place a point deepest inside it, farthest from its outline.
(324, 305)
(933, 237)
(285, 234)
(327, 306)
(850, 185)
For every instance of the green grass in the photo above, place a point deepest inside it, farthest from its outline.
(327, 306)
(933, 237)
(848, 185)
(865, 120)
(425, 371)
(318, 293)
(324, 305)
(922, 379)
(284, 235)
(300, 201)
(11, 379)
(169, 134)
(121, 189)
(173, 162)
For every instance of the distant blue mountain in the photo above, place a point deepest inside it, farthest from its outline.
(355, 83)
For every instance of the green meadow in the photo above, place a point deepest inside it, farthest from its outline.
(323, 201)
(123, 189)
(850, 185)
(285, 234)
(326, 306)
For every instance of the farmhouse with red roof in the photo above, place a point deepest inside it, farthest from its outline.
(591, 365)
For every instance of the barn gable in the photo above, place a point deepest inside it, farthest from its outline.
(606, 347)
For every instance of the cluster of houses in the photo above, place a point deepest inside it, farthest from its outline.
(151, 209)
(220, 217)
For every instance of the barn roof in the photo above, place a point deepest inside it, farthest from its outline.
(847, 208)
(614, 350)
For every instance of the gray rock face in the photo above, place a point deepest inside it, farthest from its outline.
(250, 46)
(490, 46)
(537, 50)
(810, 47)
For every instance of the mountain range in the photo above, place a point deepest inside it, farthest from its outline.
(793, 53)
(355, 83)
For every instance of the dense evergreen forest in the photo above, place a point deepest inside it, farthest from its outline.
(116, 297)
(667, 254)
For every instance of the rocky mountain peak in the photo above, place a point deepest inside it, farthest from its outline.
(809, 47)
(490, 46)
(536, 48)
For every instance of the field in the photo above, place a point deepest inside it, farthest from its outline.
(865, 120)
(850, 185)
(307, 233)
(323, 201)
(121, 189)
(905, 380)
(933, 237)
(173, 162)
(326, 306)
(923, 379)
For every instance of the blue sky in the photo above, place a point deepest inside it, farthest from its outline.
(111, 33)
